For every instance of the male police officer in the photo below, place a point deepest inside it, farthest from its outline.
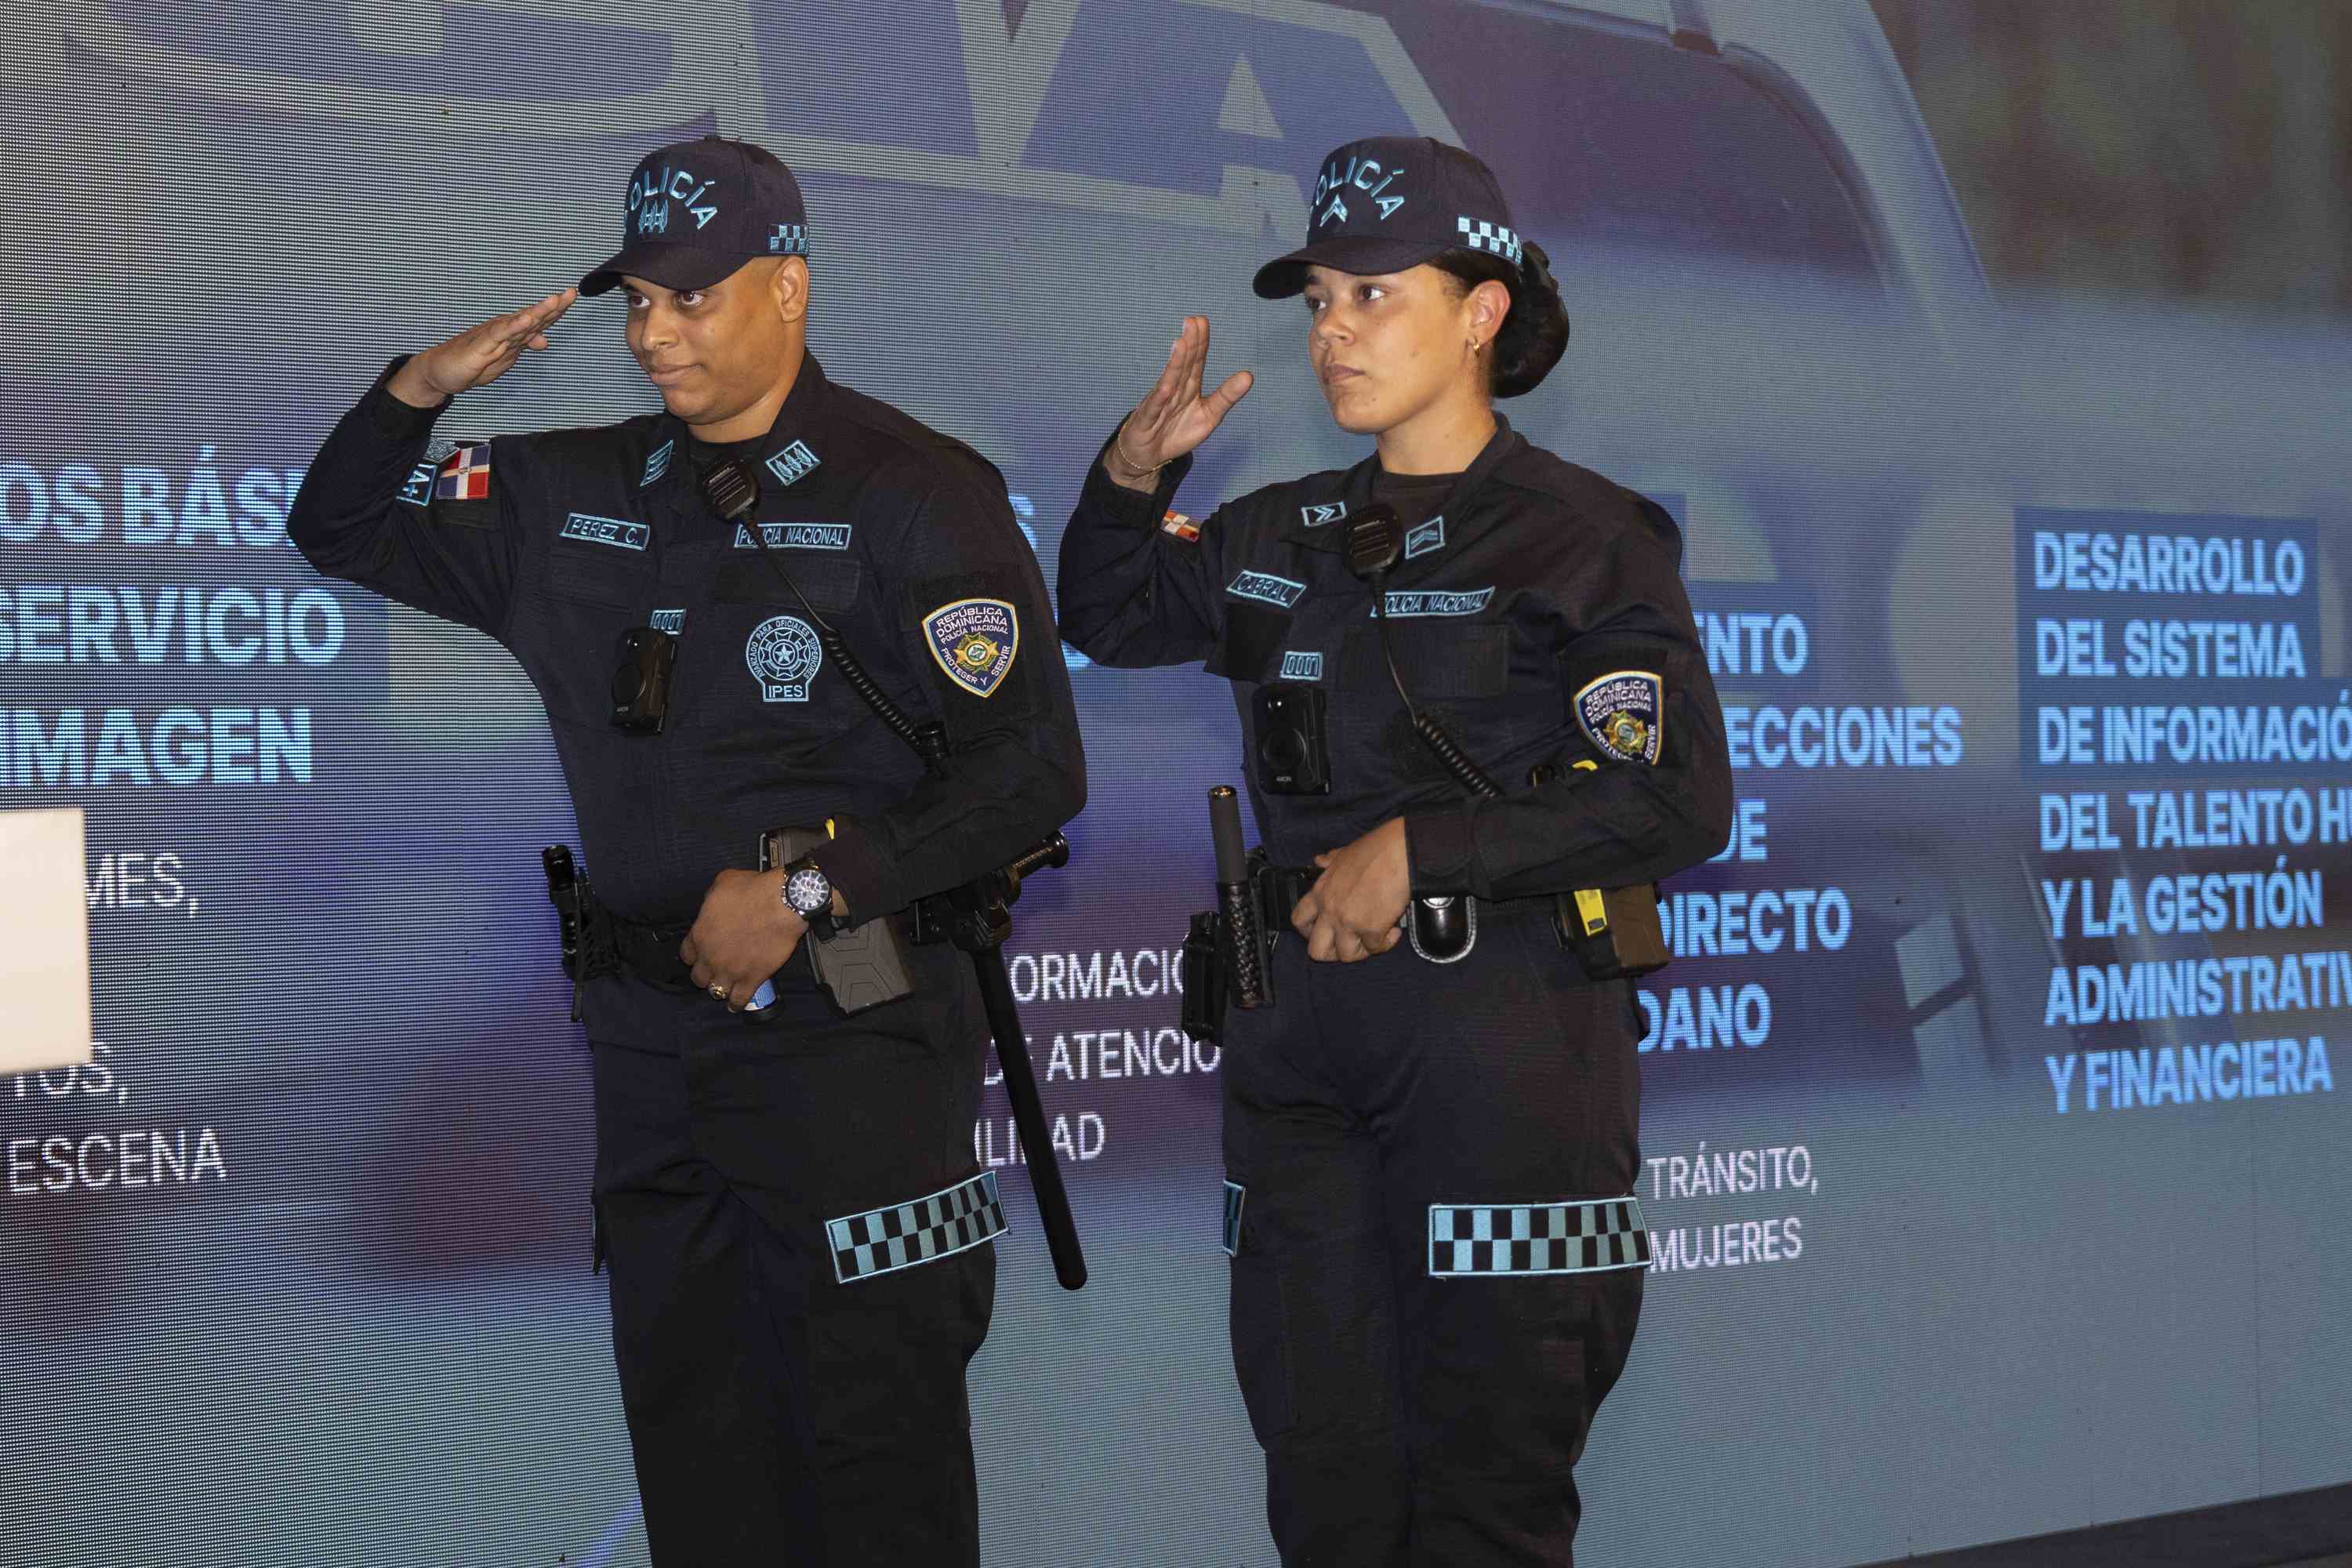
(788, 1397)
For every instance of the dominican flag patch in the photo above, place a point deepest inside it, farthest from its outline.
(1624, 713)
(974, 641)
(465, 473)
(1182, 527)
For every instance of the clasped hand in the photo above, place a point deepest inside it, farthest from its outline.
(1353, 910)
(743, 934)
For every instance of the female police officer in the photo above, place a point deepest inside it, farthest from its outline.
(1437, 1266)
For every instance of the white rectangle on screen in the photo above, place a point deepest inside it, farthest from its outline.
(43, 942)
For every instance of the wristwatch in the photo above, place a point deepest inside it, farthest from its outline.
(809, 891)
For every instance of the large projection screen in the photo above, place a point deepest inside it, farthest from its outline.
(1993, 1137)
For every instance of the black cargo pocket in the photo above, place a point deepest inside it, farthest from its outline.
(830, 582)
(1254, 636)
(587, 602)
(1459, 673)
(1450, 662)
(1261, 1347)
(604, 578)
(755, 658)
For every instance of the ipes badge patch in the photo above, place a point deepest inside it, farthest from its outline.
(1624, 713)
(974, 641)
(784, 654)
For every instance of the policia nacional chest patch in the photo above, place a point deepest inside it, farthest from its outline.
(1624, 713)
(974, 641)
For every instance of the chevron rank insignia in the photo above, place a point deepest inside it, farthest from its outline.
(1624, 713)
(974, 641)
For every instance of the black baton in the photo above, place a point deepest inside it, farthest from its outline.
(1237, 900)
(980, 926)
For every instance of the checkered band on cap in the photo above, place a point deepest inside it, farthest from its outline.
(1477, 233)
(881, 1240)
(1574, 1237)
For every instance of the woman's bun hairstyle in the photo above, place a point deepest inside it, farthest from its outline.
(1535, 334)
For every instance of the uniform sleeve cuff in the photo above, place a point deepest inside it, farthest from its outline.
(396, 420)
(852, 865)
(1442, 849)
(1143, 510)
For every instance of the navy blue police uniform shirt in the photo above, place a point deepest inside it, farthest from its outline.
(1542, 583)
(556, 543)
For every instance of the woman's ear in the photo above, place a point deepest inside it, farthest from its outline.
(1490, 302)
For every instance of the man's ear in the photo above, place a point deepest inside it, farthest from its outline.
(787, 286)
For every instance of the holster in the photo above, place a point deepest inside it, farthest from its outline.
(1228, 955)
(859, 966)
(1614, 933)
(596, 941)
(1207, 979)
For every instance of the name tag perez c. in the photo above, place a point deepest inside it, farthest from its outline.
(612, 531)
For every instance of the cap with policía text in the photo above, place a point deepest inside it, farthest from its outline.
(1388, 202)
(697, 211)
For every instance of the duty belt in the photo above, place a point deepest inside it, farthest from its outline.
(609, 943)
(1280, 889)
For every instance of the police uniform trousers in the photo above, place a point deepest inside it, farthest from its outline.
(778, 1414)
(1409, 1418)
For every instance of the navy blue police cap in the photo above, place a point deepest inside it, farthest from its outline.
(1389, 203)
(697, 211)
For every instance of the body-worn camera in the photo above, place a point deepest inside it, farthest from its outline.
(641, 679)
(1294, 749)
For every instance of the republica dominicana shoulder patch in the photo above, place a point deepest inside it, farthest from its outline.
(1624, 713)
(974, 641)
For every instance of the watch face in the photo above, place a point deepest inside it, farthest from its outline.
(807, 890)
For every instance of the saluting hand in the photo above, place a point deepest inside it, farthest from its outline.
(1174, 417)
(1351, 911)
(480, 355)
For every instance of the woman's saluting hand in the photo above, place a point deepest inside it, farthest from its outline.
(1175, 415)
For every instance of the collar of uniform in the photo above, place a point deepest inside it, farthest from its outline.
(786, 452)
(1354, 492)
(670, 481)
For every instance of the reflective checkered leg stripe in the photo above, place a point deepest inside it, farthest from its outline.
(1477, 233)
(899, 1237)
(1576, 1237)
